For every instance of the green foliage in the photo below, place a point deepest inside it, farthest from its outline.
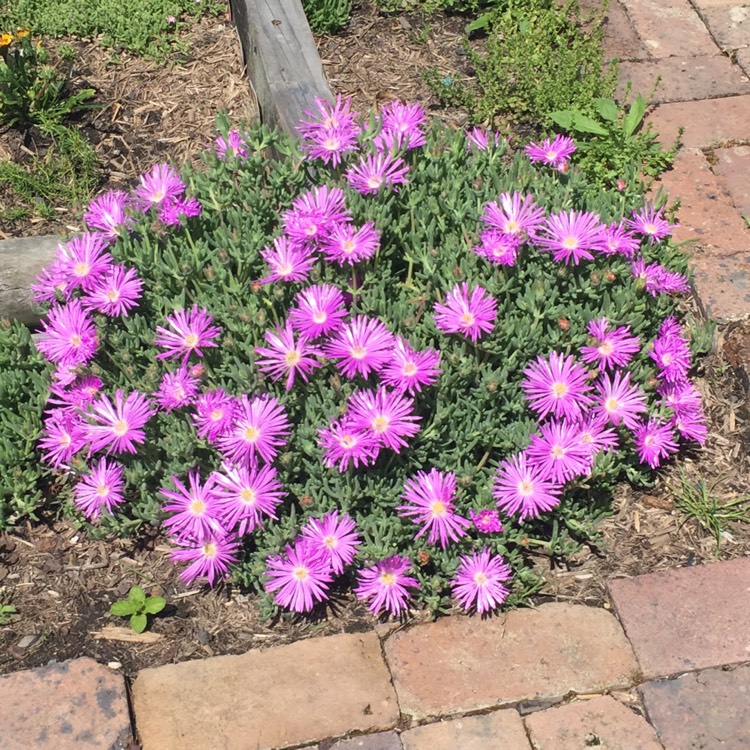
(32, 90)
(8, 612)
(437, 6)
(613, 145)
(538, 59)
(140, 26)
(138, 606)
(327, 16)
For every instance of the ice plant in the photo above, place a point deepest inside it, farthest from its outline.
(68, 335)
(377, 171)
(361, 346)
(330, 133)
(118, 427)
(480, 581)
(571, 236)
(345, 445)
(233, 145)
(672, 356)
(617, 401)
(213, 416)
(101, 489)
(517, 215)
(246, 496)
(320, 310)
(300, 577)
(83, 260)
(173, 212)
(409, 370)
(498, 247)
(346, 244)
(617, 240)
(285, 357)
(471, 314)
(556, 385)
(655, 441)
(385, 585)
(335, 537)
(525, 488)
(611, 348)
(387, 415)
(116, 292)
(553, 152)
(209, 558)
(429, 501)
(195, 509)
(158, 185)
(177, 389)
(486, 521)
(313, 214)
(63, 436)
(107, 213)
(287, 261)
(480, 138)
(401, 126)
(649, 223)
(188, 332)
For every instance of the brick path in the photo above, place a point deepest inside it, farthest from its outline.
(666, 667)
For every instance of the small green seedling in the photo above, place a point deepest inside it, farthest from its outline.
(6, 613)
(138, 606)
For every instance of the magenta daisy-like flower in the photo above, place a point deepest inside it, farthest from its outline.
(331, 145)
(337, 114)
(409, 370)
(101, 489)
(68, 335)
(313, 214)
(75, 396)
(259, 428)
(177, 389)
(517, 215)
(347, 244)
(196, 513)
(173, 213)
(611, 347)
(558, 452)
(287, 261)
(486, 521)
(658, 280)
(556, 385)
(387, 415)
(107, 213)
(63, 436)
(571, 236)
(401, 126)
(596, 436)
(479, 581)
(498, 247)
(116, 292)
(386, 585)
(336, 537)
(553, 152)
(375, 172)
(119, 426)
(691, 425)
(161, 184)
(247, 496)
(617, 240)
(52, 281)
(188, 332)
(617, 401)
(672, 357)
(344, 445)
(471, 314)
(320, 310)
(232, 146)
(214, 412)
(654, 442)
(430, 502)
(300, 577)
(286, 358)
(361, 346)
(649, 223)
(481, 138)
(209, 558)
(525, 488)
(331, 132)
(83, 260)
(680, 396)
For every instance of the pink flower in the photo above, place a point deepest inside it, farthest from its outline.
(313, 214)
(362, 345)
(517, 216)
(595, 436)
(245, 496)
(287, 261)
(346, 244)
(388, 416)
(214, 414)
(554, 153)
(386, 584)
(672, 357)
(654, 441)
(401, 126)
(196, 510)
(119, 426)
(157, 186)
(480, 138)
(320, 310)
(611, 348)
(68, 335)
(558, 451)
(335, 537)
(486, 521)
(209, 558)
(410, 370)
(116, 292)
(233, 145)
(657, 279)
(75, 396)
(479, 581)
(618, 401)
(498, 247)
(556, 385)
(177, 389)
(344, 445)
(524, 488)
(174, 212)
(107, 213)
(468, 313)
(63, 436)
(285, 357)
(571, 236)
(83, 261)
(330, 133)
(377, 171)
(429, 497)
(188, 332)
(649, 223)
(616, 240)
(259, 428)
(300, 577)
(691, 424)
(101, 489)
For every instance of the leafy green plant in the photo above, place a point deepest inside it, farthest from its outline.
(31, 89)
(327, 16)
(138, 606)
(7, 611)
(613, 145)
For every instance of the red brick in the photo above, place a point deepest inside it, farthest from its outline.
(379, 741)
(733, 167)
(707, 123)
(304, 692)
(462, 664)
(722, 286)
(742, 58)
(686, 618)
(65, 706)
(729, 24)
(499, 729)
(620, 38)
(684, 78)
(707, 215)
(599, 722)
(709, 709)
(670, 28)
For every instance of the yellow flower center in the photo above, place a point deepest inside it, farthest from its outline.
(387, 579)
(467, 319)
(301, 573)
(292, 358)
(374, 182)
(650, 228)
(216, 415)
(198, 507)
(209, 549)
(76, 340)
(285, 269)
(331, 144)
(358, 352)
(409, 369)
(65, 440)
(120, 427)
(81, 269)
(248, 496)
(102, 490)
(251, 434)
(380, 424)
(113, 295)
(347, 246)
(666, 359)
(559, 390)
(557, 451)
(347, 442)
(438, 509)
(525, 488)
(331, 542)
(511, 226)
(191, 340)
(606, 348)
(319, 317)
(311, 230)
(570, 243)
(611, 404)
(480, 578)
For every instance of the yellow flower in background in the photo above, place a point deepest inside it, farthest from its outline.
(5, 39)
(21, 33)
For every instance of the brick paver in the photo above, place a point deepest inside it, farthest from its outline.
(707, 123)
(742, 58)
(494, 731)
(379, 741)
(599, 722)
(307, 691)
(670, 28)
(729, 24)
(461, 664)
(707, 710)
(722, 285)
(69, 706)
(684, 78)
(687, 618)
(620, 38)
(732, 165)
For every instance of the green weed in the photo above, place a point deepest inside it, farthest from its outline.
(327, 16)
(137, 607)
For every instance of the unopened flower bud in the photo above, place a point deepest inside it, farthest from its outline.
(564, 324)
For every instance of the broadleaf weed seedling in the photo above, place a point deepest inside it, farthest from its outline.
(138, 606)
